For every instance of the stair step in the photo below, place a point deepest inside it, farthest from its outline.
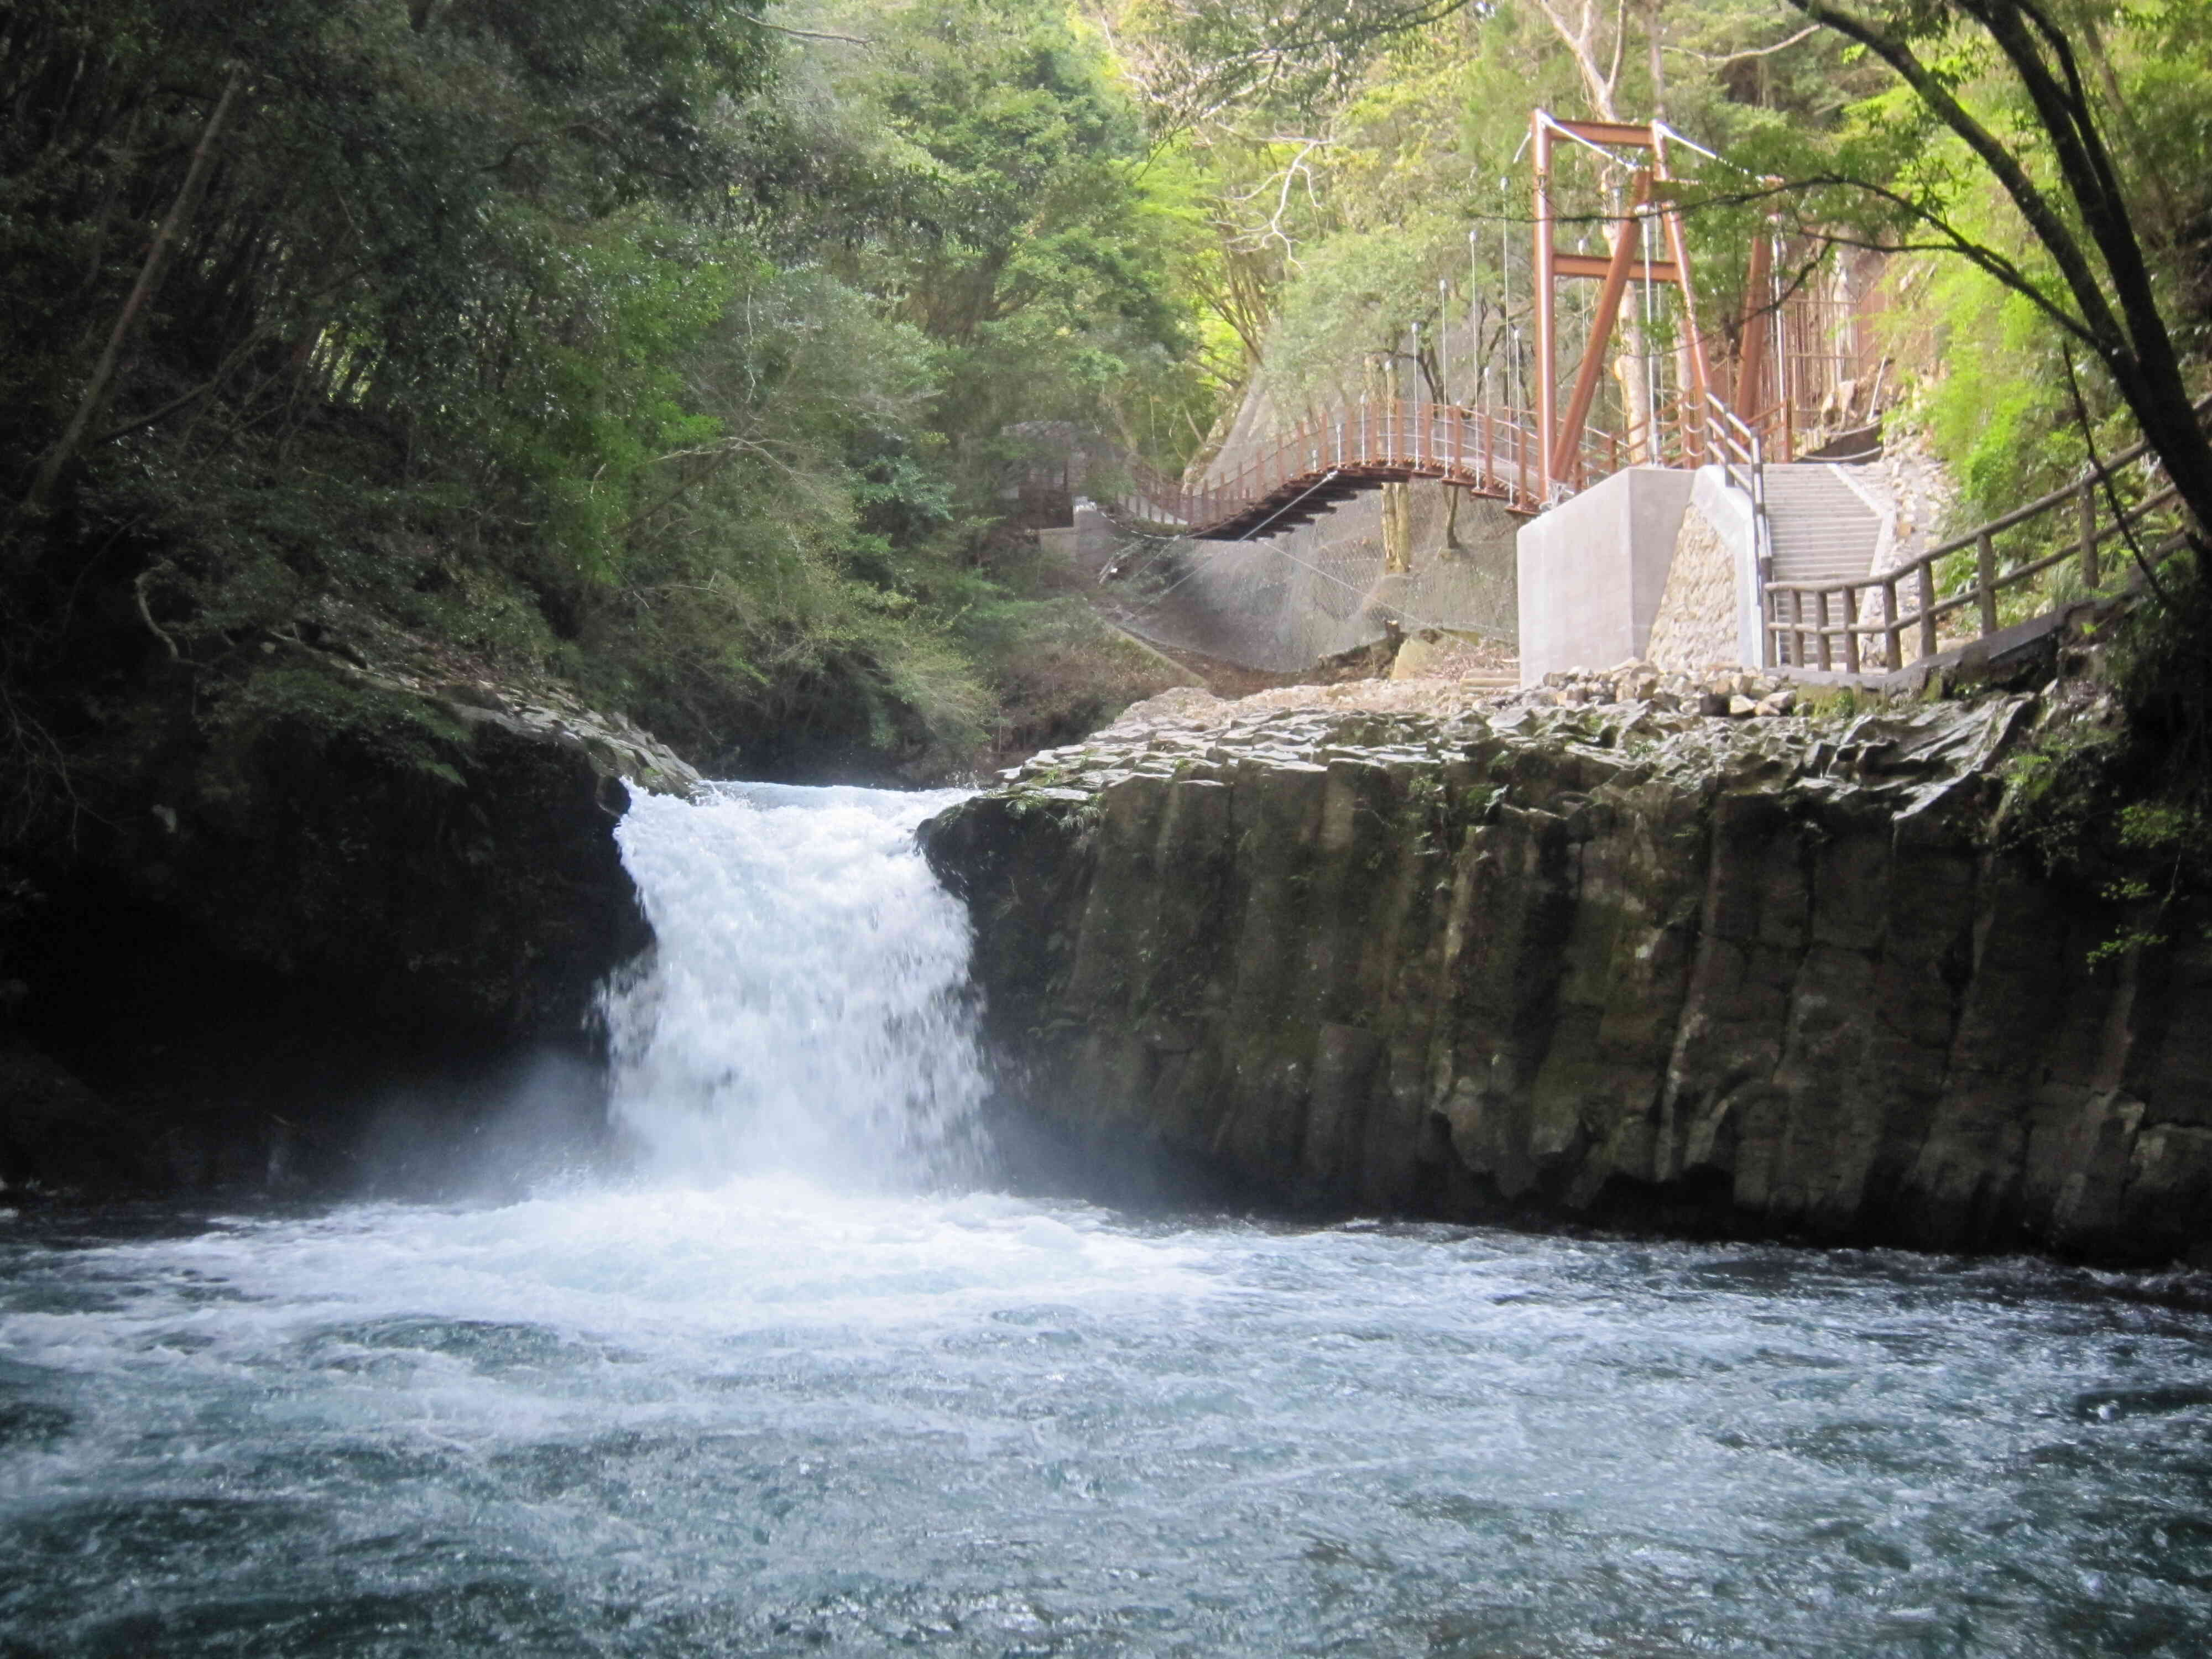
(1823, 529)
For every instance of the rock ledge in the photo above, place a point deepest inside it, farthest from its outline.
(1609, 961)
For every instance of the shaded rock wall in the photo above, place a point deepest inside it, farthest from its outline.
(1599, 963)
(353, 877)
(440, 852)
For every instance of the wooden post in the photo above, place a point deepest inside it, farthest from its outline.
(1986, 580)
(1796, 628)
(1820, 605)
(1926, 609)
(1851, 630)
(1893, 631)
(2091, 578)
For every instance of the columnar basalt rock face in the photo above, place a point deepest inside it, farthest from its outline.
(1597, 962)
(470, 881)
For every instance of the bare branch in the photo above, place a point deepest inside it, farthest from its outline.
(1721, 60)
(1955, 242)
(2103, 476)
(2103, 332)
(808, 34)
(146, 613)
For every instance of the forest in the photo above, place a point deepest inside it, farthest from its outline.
(692, 352)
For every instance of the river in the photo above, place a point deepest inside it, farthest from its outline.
(780, 1372)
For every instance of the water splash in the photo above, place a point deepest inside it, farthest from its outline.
(806, 1008)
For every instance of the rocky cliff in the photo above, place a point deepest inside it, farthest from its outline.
(286, 892)
(1608, 963)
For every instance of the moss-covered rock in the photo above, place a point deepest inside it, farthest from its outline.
(443, 851)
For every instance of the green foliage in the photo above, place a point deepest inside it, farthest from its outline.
(623, 339)
(1037, 255)
(1348, 169)
(2120, 796)
(2162, 837)
(2058, 794)
(1059, 672)
(2043, 320)
(633, 341)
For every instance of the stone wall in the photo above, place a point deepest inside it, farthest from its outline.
(389, 876)
(1600, 962)
(1696, 628)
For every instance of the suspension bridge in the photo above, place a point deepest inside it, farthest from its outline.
(1529, 458)
(1831, 586)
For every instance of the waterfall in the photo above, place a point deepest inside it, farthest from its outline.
(805, 1009)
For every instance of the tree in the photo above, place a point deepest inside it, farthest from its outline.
(2103, 295)
(2006, 80)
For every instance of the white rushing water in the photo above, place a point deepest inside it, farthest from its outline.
(788, 1386)
(804, 1010)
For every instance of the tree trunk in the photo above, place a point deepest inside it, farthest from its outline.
(149, 279)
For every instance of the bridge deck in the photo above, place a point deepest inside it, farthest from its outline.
(1488, 451)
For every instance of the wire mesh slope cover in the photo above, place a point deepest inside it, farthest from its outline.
(1281, 603)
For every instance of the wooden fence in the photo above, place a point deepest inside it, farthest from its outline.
(1860, 623)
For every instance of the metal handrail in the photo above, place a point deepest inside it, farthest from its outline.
(1736, 443)
(1490, 448)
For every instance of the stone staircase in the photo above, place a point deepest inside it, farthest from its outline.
(1825, 528)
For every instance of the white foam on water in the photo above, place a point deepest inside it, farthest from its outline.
(805, 1009)
(805, 1387)
(768, 1418)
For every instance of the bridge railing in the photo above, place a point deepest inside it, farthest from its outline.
(1490, 448)
(1863, 622)
(1735, 445)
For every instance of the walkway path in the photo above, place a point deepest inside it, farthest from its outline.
(1331, 457)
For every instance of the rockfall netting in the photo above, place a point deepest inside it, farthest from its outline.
(1281, 603)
